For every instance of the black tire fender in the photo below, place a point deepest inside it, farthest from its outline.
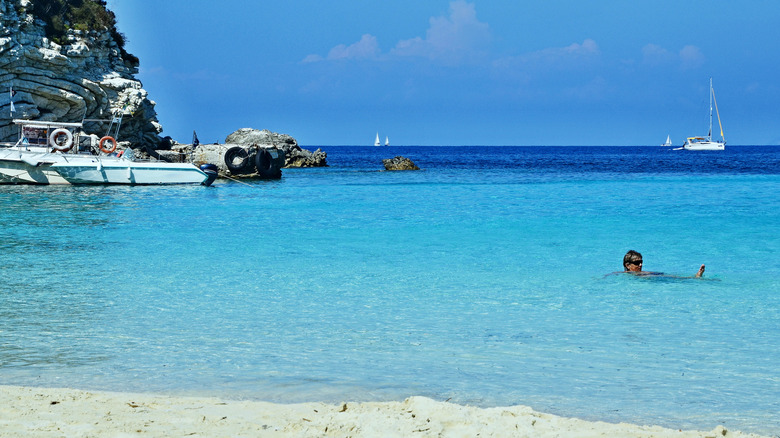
(237, 159)
(266, 164)
(263, 161)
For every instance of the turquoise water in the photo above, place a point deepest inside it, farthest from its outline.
(480, 279)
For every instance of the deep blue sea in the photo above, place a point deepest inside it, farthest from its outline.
(481, 279)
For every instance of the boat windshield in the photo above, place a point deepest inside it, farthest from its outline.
(128, 154)
(35, 135)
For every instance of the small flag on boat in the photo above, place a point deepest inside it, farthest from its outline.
(195, 140)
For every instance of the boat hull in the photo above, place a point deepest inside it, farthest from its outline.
(28, 168)
(705, 146)
(129, 172)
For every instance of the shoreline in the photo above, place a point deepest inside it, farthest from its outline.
(43, 412)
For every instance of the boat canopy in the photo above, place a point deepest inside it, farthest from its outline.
(45, 124)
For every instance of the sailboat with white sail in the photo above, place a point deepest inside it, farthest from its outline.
(376, 142)
(707, 143)
(387, 141)
(668, 141)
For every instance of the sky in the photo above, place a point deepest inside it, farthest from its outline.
(443, 72)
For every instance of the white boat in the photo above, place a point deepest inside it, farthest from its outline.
(47, 154)
(376, 142)
(668, 141)
(387, 141)
(707, 143)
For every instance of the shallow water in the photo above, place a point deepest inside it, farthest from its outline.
(480, 279)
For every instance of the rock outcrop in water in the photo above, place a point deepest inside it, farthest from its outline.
(82, 72)
(295, 156)
(399, 163)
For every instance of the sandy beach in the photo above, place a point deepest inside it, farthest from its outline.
(48, 412)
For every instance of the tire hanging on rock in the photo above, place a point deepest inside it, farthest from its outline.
(265, 164)
(237, 160)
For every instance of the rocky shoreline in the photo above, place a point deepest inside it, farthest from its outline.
(246, 153)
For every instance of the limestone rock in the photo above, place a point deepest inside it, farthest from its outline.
(295, 156)
(249, 136)
(85, 77)
(399, 163)
(245, 164)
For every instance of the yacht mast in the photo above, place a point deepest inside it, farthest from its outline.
(709, 134)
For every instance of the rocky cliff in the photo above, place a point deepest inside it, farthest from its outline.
(82, 72)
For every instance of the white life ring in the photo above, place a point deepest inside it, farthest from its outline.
(68, 140)
(109, 139)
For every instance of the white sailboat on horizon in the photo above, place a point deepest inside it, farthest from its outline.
(706, 143)
(387, 141)
(668, 141)
(376, 142)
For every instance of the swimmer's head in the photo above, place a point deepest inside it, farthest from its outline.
(632, 261)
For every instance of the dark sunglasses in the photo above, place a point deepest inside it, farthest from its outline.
(635, 262)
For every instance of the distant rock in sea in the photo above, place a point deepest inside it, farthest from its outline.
(399, 163)
(295, 156)
(63, 70)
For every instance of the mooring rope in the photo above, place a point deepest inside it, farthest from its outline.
(240, 182)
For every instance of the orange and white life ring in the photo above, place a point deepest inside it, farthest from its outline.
(54, 138)
(109, 139)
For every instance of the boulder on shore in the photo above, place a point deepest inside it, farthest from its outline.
(399, 163)
(295, 156)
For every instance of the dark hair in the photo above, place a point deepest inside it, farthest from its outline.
(630, 255)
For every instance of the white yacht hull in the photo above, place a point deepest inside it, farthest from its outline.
(705, 146)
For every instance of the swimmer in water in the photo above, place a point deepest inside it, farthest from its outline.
(632, 262)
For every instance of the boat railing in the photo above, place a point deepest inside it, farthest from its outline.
(34, 135)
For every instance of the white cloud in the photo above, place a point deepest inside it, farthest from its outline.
(688, 57)
(691, 57)
(552, 58)
(653, 54)
(366, 48)
(573, 51)
(312, 58)
(450, 39)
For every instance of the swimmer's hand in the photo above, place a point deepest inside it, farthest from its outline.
(700, 273)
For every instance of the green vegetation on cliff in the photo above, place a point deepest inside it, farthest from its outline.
(85, 15)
